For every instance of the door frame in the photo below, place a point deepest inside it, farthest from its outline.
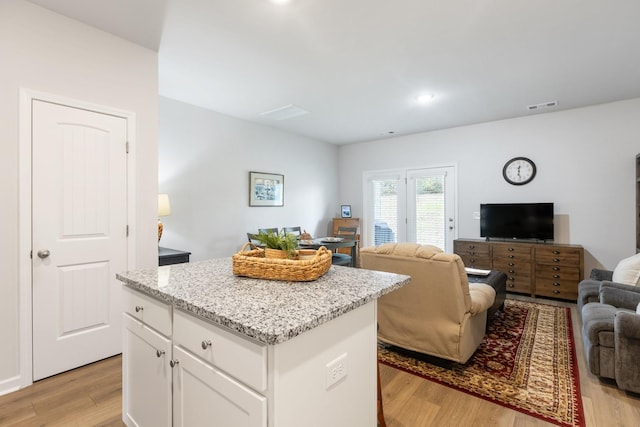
(403, 172)
(25, 279)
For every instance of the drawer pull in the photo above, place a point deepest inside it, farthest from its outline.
(173, 362)
(556, 260)
(556, 252)
(511, 271)
(556, 284)
(206, 344)
(556, 276)
(556, 268)
(511, 264)
(511, 278)
(159, 353)
(510, 285)
(472, 253)
(555, 291)
(473, 260)
(511, 256)
(510, 249)
(139, 308)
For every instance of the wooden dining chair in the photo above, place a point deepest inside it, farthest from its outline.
(349, 233)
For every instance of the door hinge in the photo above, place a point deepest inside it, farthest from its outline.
(127, 230)
(31, 254)
(127, 147)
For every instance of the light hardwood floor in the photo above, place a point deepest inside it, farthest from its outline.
(92, 396)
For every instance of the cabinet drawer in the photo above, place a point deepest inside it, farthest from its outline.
(558, 255)
(558, 273)
(243, 359)
(518, 284)
(476, 261)
(521, 270)
(564, 290)
(471, 248)
(152, 312)
(503, 253)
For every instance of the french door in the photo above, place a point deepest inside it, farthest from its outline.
(410, 205)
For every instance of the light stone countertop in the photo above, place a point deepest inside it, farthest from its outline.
(268, 311)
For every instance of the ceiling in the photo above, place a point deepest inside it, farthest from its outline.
(357, 65)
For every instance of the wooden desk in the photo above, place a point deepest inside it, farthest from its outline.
(168, 256)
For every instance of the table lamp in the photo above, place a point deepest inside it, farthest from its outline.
(164, 209)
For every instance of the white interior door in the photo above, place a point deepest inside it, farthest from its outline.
(79, 232)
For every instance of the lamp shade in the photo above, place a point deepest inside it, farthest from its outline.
(164, 208)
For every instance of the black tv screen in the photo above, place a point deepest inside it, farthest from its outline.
(517, 221)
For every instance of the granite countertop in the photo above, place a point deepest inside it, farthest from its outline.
(268, 311)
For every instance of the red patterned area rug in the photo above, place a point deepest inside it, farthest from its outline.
(527, 362)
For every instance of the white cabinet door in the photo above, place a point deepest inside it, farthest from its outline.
(146, 399)
(205, 396)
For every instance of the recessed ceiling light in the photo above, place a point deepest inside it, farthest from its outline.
(425, 98)
(280, 1)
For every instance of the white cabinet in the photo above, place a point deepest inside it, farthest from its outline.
(146, 399)
(205, 396)
(221, 378)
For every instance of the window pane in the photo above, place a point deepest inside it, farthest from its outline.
(385, 211)
(430, 210)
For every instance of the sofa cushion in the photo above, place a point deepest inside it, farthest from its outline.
(628, 271)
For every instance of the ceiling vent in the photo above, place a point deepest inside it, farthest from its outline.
(542, 106)
(283, 113)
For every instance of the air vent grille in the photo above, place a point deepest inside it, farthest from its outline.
(550, 104)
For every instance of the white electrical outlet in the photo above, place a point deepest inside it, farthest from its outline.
(336, 370)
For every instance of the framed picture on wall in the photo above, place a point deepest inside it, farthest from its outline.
(266, 189)
(345, 211)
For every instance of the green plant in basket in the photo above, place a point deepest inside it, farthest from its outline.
(282, 241)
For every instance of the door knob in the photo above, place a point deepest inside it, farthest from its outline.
(44, 253)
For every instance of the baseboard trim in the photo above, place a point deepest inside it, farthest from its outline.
(9, 385)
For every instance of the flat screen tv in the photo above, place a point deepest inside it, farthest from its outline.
(517, 221)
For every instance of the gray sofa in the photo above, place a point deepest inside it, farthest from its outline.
(611, 329)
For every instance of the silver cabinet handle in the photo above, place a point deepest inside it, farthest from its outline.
(139, 308)
(43, 253)
(159, 353)
(206, 344)
(173, 362)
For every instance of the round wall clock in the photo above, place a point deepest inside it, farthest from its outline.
(519, 171)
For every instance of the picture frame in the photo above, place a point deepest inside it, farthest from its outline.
(266, 189)
(345, 211)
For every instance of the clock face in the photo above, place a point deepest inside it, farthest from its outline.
(519, 171)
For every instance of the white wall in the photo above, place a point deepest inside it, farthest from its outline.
(586, 166)
(204, 164)
(45, 52)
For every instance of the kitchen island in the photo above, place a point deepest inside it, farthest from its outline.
(204, 347)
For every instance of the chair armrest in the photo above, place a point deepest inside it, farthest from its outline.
(482, 297)
(599, 274)
(627, 348)
(620, 295)
(627, 325)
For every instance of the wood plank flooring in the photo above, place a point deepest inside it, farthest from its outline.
(92, 396)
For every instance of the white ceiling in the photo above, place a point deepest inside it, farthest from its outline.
(356, 65)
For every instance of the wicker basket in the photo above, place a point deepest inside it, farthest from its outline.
(252, 263)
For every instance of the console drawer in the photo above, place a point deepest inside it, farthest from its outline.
(557, 289)
(558, 255)
(476, 261)
(243, 359)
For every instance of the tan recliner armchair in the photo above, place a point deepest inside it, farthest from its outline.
(439, 312)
